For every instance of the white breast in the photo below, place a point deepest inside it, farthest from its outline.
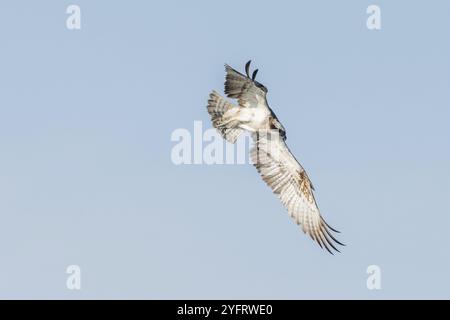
(259, 114)
(254, 118)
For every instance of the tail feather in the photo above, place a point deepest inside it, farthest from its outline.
(217, 107)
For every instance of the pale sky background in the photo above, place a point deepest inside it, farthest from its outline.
(86, 176)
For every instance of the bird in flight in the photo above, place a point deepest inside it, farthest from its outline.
(269, 154)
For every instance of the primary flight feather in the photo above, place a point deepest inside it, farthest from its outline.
(270, 154)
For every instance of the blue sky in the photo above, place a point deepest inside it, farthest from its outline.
(86, 175)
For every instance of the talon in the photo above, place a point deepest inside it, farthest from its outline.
(247, 67)
(254, 74)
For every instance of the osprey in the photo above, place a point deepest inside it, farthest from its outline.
(270, 154)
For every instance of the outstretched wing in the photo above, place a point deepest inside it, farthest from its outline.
(289, 181)
(248, 91)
